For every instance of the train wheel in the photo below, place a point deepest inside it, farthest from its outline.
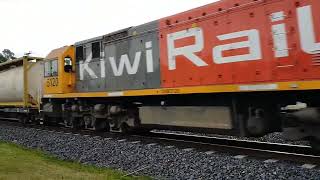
(101, 125)
(23, 119)
(256, 127)
(124, 128)
(243, 131)
(257, 124)
(77, 123)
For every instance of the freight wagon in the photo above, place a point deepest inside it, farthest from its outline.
(21, 89)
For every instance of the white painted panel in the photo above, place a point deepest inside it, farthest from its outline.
(259, 87)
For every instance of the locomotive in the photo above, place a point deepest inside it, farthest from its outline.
(242, 67)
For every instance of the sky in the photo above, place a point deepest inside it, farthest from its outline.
(40, 26)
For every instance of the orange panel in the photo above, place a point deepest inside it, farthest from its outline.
(241, 41)
(64, 82)
(309, 64)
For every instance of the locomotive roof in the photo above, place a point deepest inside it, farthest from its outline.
(89, 40)
(56, 53)
(215, 7)
(100, 38)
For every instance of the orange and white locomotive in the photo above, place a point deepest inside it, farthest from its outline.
(246, 67)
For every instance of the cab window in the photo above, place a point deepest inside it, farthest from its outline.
(68, 64)
(79, 53)
(54, 68)
(95, 50)
(47, 71)
(51, 68)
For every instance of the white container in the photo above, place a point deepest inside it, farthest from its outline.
(12, 82)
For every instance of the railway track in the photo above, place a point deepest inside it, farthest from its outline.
(264, 150)
(238, 148)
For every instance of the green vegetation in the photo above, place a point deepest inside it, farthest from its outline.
(6, 55)
(20, 163)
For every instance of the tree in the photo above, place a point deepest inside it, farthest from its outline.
(2, 58)
(8, 54)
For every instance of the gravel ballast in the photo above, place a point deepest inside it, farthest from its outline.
(153, 160)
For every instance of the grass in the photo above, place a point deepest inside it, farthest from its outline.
(20, 163)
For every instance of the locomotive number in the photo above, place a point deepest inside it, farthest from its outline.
(170, 91)
(52, 82)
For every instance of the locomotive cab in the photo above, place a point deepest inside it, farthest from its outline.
(59, 76)
(59, 79)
